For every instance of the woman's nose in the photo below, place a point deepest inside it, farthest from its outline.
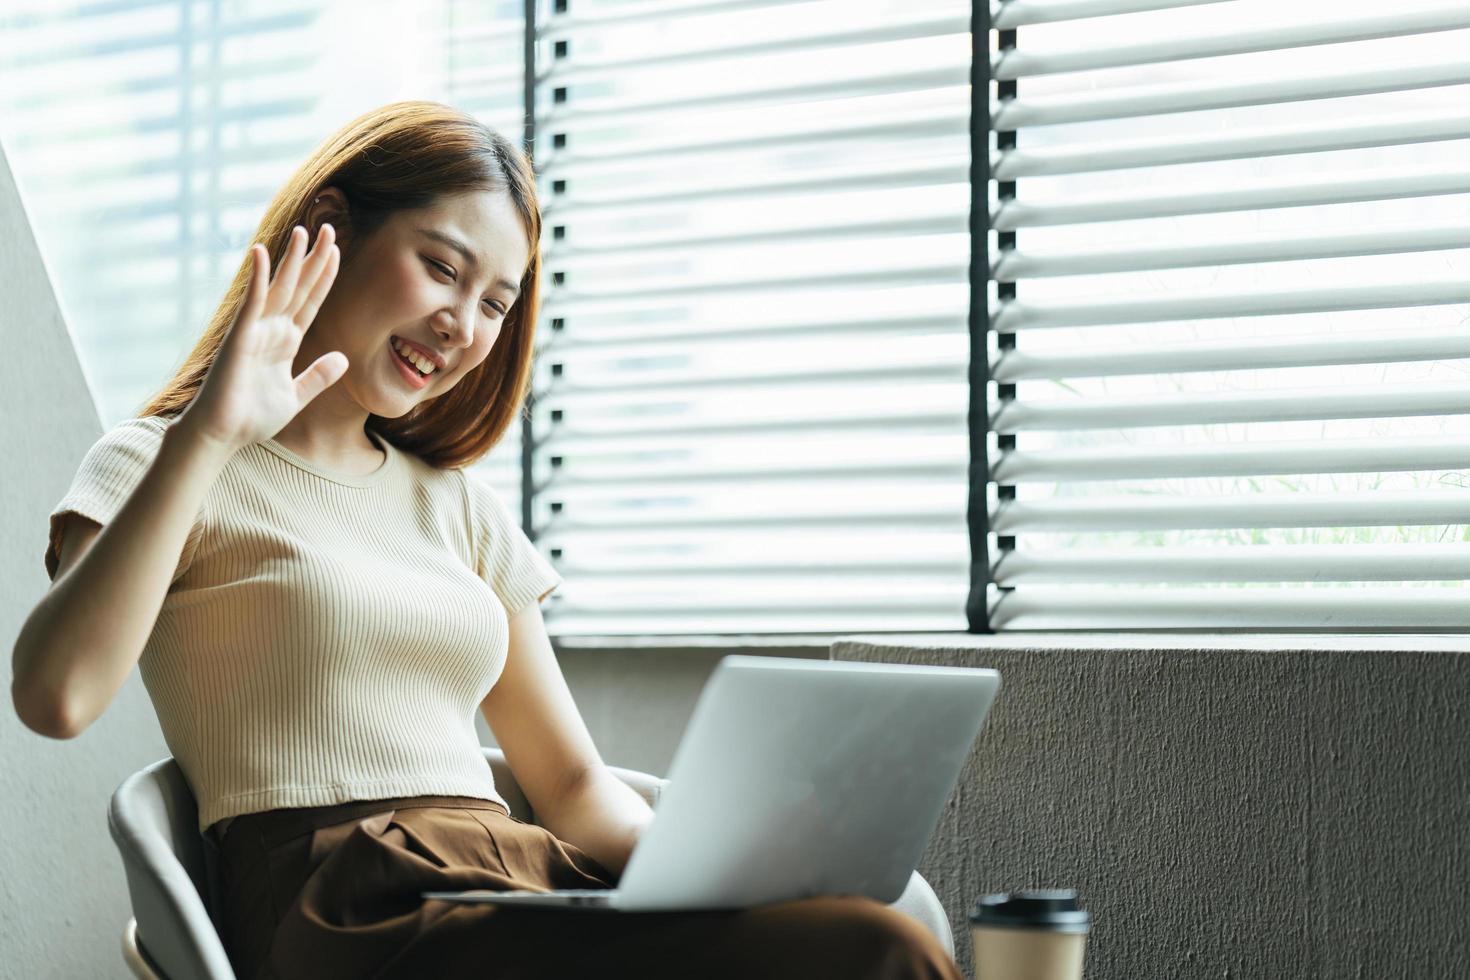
(457, 330)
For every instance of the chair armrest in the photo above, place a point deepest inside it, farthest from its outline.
(919, 902)
(647, 786)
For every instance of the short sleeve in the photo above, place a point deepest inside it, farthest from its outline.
(104, 481)
(504, 557)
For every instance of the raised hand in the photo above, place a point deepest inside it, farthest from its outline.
(249, 393)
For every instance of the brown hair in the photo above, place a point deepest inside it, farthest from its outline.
(404, 156)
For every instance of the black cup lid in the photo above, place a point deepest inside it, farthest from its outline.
(1055, 909)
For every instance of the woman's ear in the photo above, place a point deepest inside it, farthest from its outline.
(329, 206)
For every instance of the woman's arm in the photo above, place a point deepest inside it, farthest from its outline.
(547, 746)
(601, 815)
(82, 639)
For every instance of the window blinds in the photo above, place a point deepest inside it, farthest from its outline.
(752, 394)
(145, 137)
(1229, 267)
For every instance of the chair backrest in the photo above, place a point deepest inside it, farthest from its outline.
(154, 821)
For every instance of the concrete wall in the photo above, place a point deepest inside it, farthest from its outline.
(1226, 807)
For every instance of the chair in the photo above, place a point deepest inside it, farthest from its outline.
(154, 821)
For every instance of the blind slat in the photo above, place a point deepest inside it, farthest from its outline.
(721, 367)
(1017, 64)
(1247, 563)
(1379, 186)
(938, 222)
(879, 27)
(1384, 131)
(1271, 406)
(1251, 459)
(1266, 352)
(574, 23)
(1014, 315)
(1094, 106)
(815, 323)
(936, 411)
(773, 279)
(640, 110)
(932, 465)
(1014, 264)
(936, 519)
(1155, 513)
(1007, 15)
(780, 132)
(890, 174)
(1279, 607)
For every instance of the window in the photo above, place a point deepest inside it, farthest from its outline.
(753, 396)
(1221, 306)
(1227, 316)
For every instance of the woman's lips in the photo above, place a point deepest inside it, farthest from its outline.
(409, 374)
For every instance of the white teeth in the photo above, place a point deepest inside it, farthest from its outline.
(423, 364)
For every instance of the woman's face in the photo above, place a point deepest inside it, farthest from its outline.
(408, 282)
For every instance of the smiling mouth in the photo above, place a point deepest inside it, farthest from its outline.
(393, 346)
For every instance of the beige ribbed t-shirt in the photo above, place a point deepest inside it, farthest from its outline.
(326, 637)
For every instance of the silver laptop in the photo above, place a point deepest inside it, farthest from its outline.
(795, 778)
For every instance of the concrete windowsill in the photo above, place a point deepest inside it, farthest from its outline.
(820, 644)
(732, 643)
(1193, 642)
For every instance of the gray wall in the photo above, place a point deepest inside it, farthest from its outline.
(1257, 807)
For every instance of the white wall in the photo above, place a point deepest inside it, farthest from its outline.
(63, 898)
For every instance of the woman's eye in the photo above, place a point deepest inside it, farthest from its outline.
(448, 272)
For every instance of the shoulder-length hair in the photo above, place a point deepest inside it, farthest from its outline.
(404, 156)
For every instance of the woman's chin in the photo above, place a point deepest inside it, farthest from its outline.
(400, 404)
(395, 408)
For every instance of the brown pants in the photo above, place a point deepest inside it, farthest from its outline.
(333, 891)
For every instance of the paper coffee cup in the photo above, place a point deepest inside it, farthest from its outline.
(1039, 934)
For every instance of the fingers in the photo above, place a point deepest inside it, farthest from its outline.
(256, 288)
(316, 278)
(323, 373)
(283, 287)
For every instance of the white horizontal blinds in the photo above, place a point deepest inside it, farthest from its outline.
(1229, 292)
(752, 415)
(145, 136)
(482, 46)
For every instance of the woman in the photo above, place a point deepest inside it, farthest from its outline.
(318, 598)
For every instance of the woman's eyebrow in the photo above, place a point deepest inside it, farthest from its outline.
(469, 256)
